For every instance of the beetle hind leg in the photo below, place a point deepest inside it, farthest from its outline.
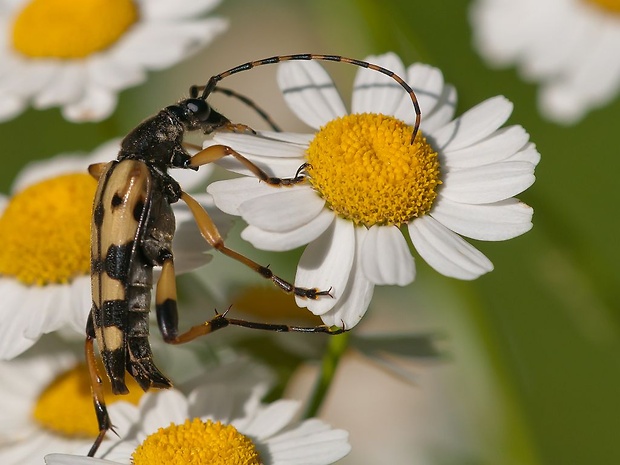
(96, 383)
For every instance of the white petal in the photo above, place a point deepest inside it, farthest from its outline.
(326, 264)
(272, 418)
(166, 11)
(281, 241)
(113, 74)
(11, 106)
(488, 183)
(66, 459)
(230, 194)
(312, 443)
(473, 125)
(528, 154)
(488, 222)
(445, 251)
(352, 306)
(499, 146)
(283, 210)
(66, 87)
(427, 82)
(160, 408)
(385, 257)
(374, 92)
(310, 92)
(443, 112)
(249, 145)
(158, 45)
(96, 104)
(296, 138)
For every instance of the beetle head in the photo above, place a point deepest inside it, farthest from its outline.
(196, 113)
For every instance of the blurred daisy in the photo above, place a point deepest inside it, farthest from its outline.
(215, 424)
(569, 46)
(46, 404)
(367, 184)
(79, 55)
(45, 258)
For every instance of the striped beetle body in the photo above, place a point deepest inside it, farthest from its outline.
(133, 226)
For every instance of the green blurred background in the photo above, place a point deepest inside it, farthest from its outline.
(533, 375)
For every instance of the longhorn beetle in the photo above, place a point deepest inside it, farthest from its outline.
(133, 226)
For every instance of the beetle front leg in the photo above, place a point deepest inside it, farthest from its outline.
(96, 385)
(217, 152)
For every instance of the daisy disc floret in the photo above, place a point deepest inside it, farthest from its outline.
(368, 185)
(368, 171)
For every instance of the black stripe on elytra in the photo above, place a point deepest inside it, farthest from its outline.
(138, 209)
(98, 213)
(116, 200)
(117, 260)
(114, 313)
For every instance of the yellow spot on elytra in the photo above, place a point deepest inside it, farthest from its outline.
(45, 231)
(71, 29)
(65, 406)
(612, 6)
(196, 443)
(369, 172)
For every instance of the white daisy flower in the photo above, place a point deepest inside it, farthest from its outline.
(215, 424)
(79, 55)
(46, 404)
(569, 46)
(367, 184)
(45, 258)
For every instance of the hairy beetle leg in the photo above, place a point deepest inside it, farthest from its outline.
(217, 152)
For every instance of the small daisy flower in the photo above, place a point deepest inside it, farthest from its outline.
(215, 424)
(368, 185)
(46, 403)
(45, 258)
(79, 55)
(569, 46)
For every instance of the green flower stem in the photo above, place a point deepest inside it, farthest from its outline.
(336, 347)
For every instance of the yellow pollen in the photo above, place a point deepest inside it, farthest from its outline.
(45, 231)
(368, 172)
(612, 6)
(196, 443)
(71, 28)
(65, 407)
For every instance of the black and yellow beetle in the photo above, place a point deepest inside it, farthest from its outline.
(132, 230)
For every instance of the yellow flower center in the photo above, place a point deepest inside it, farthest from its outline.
(65, 406)
(45, 231)
(196, 443)
(69, 28)
(369, 172)
(612, 6)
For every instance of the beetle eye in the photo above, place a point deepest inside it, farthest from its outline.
(199, 108)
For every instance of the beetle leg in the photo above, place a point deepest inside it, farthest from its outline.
(212, 236)
(167, 314)
(103, 419)
(216, 152)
